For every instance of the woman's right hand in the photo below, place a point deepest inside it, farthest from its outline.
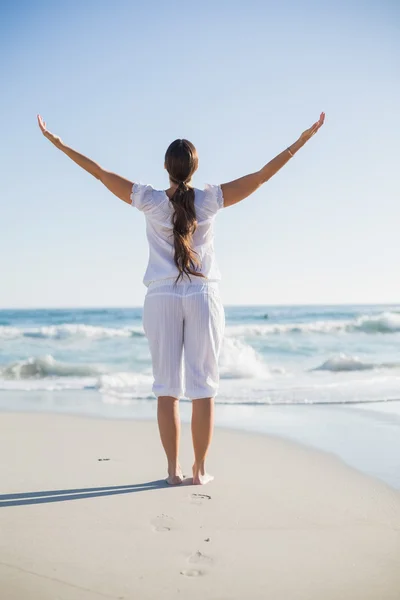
(308, 133)
(54, 139)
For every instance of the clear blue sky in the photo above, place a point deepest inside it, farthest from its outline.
(119, 81)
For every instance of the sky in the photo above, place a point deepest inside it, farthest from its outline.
(118, 81)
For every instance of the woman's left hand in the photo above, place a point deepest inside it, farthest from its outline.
(50, 136)
(308, 133)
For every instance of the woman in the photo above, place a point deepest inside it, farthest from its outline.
(183, 316)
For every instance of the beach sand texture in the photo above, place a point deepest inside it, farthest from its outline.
(280, 521)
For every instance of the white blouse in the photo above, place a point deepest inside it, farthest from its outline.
(158, 211)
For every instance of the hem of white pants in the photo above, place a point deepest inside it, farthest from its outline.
(174, 393)
(196, 395)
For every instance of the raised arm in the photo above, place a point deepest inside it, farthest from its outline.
(241, 188)
(118, 185)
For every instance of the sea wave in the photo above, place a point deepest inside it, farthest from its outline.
(139, 390)
(343, 362)
(386, 322)
(70, 331)
(239, 360)
(45, 366)
(383, 323)
(126, 388)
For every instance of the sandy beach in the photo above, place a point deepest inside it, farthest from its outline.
(86, 514)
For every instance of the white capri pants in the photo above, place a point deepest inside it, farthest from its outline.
(184, 325)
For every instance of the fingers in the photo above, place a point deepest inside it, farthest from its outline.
(308, 133)
(314, 128)
(42, 124)
(318, 123)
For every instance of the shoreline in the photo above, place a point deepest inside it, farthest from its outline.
(365, 436)
(76, 527)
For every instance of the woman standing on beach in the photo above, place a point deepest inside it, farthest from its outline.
(183, 316)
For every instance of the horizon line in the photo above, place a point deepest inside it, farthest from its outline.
(305, 304)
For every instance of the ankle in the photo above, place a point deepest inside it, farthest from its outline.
(199, 467)
(174, 468)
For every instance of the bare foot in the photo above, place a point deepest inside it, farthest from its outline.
(200, 477)
(175, 477)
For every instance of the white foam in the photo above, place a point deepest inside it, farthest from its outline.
(263, 330)
(128, 383)
(308, 387)
(67, 331)
(386, 322)
(343, 362)
(239, 360)
(44, 366)
(48, 384)
(9, 333)
(47, 374)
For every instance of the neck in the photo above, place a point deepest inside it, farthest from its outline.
(173, 186)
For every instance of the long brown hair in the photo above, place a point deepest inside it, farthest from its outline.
(181, 161)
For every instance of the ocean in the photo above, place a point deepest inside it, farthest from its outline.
(327, 376)
(270, 354)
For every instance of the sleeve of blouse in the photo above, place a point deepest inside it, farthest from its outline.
(214, 199)
(141, 196)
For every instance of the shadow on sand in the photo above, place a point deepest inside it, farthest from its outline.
(23, 498)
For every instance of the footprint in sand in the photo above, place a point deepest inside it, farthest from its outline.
(200, 558)
(192, 573)
(199, 498)
(163, 523)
